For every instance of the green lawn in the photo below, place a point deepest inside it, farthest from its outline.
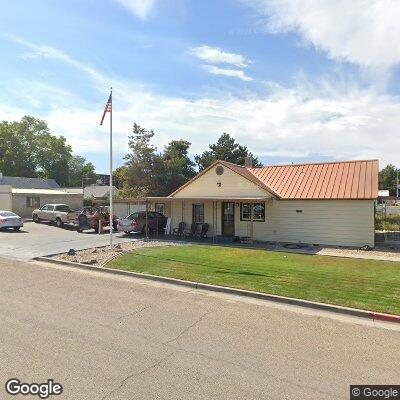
(365, 284)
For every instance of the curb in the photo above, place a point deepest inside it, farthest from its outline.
(355, 312)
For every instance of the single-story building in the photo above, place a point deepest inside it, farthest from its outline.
(24, 201)
(23, 195)
(28, 183)
(329, 203)
(124, 207)
(99, 193)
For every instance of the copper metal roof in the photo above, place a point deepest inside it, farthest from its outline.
(329, 180)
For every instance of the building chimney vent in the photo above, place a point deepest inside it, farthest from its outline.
(248, 162)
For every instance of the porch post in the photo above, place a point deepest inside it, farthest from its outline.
(213, 221)
(171, 212)
(216, 221)
(183, 217)
(251, 221)
(147, 227)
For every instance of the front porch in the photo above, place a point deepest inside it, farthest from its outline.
(217, 220)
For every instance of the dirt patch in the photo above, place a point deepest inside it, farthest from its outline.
(100, 255)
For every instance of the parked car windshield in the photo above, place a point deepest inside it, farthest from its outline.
(63, 208)
(7, 214)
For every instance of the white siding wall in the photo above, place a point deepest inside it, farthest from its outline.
(331, 222)
(325, 222)
(75, 201)
(123, 209)
(176, 214)
(232, 185)
(5, 198)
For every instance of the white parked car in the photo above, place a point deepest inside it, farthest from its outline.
(10, 220)
(59, 213)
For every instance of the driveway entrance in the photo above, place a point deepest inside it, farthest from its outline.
(35, 240)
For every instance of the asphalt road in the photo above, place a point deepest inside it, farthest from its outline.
(35, 240)
(111, 337)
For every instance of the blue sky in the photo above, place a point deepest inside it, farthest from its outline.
(294, 81)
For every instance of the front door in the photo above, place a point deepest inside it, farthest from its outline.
(228, 219)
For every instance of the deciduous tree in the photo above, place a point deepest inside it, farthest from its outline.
(29, 149)
(387, 179)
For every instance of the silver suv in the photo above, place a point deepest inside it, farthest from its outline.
(59, 213)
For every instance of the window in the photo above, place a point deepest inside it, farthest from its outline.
(219, 170)
(258, 214)
(33, 202)
(198, 213)
(160, 208)
(63, 208)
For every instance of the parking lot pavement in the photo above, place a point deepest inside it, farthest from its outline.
(35, 240)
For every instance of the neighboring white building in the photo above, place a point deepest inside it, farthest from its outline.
(99, 192)
(24, 201)
(23, 195)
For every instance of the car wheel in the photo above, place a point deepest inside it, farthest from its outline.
(36, 219)
(79, 230)
(59, 223)
(17, 228)
(127, 232)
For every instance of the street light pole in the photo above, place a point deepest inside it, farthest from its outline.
(397, 182)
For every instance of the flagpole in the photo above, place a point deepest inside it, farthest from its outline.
(111, 176)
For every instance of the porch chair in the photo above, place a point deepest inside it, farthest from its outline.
(193, 229)
(204, 230)
(179, 231)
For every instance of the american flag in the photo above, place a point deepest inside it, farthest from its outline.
(107, 109)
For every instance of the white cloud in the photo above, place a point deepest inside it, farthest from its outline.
(234, 73)
(359, 31)
(214, 55)
(43, 51)
(293, 122)
(140, 8)
(326, 119)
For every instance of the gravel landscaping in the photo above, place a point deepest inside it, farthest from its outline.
(378, 253)
(100, 255)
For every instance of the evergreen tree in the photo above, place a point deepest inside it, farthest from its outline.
(225, 149)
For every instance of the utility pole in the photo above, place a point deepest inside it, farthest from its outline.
(397, 182)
